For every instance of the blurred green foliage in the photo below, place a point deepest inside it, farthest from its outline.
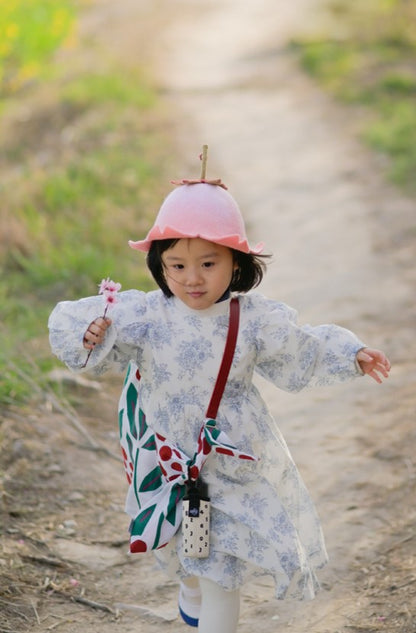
(30, 32)
(81, 166)
(71, 210)
(367, 57)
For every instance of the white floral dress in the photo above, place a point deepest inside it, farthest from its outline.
(263, 521)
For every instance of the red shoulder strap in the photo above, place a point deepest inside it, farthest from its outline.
(227, 359)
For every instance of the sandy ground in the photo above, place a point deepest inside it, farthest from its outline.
(343, 252)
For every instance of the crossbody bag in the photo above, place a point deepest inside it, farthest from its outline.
(162, 478)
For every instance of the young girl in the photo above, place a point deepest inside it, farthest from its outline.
(263, 522)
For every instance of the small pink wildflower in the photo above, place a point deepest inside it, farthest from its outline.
(110, 299)
(109, 289)
(109, 286)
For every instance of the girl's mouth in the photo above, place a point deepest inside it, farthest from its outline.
(195, 294)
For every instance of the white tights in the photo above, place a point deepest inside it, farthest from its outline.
(219, 608)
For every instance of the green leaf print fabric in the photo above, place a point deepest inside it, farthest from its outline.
(157, 470)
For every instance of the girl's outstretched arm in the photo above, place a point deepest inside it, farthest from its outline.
(75, 331)
(373, 362)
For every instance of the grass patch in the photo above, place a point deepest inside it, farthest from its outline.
(367, 57)
(81, 173)
(124, 89)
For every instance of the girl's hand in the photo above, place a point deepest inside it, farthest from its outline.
(96, 332)
(373, 362)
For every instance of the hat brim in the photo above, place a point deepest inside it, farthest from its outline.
(231, 241)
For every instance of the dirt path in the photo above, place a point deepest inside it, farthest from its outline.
(315, 196)
(340, 239)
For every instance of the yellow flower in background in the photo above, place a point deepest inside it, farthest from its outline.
(59, 22)
(11, 31)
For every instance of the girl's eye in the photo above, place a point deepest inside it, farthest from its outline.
(178, 266)
(208, 264)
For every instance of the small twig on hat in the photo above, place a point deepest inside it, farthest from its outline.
(203, 158)
(186, 181)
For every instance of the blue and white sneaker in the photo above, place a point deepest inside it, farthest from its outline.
(189, 604)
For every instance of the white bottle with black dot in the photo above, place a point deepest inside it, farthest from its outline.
(195, 520)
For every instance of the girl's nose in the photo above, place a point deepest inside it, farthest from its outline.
(193, 277)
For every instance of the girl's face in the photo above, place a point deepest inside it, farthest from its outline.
(198, 272)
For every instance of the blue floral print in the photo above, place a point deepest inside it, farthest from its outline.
(263, 521)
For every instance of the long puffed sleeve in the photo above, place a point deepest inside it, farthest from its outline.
(69, 321)
(294, 357)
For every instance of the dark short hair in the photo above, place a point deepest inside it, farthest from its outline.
(248, 274)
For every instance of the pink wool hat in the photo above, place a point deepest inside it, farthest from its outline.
(200, 209)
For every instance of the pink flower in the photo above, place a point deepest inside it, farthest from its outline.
(103, 285)
(109, 289)
(110, 298)
(108, 286)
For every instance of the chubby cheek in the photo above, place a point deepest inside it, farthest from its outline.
(170, 283)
